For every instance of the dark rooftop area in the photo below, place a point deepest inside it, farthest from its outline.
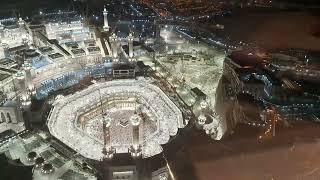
(247, 58)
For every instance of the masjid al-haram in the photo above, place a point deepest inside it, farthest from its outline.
(95, 95)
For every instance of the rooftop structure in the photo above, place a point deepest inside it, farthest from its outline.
(64, 32)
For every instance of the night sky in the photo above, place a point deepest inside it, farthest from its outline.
(37, 2)
(28, 7)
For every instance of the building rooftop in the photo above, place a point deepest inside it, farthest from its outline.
(78, 51)
(45, 49)
(93, 49)
(198, 92)
(4, 76)
(247, 58)
(248, 74)
(56, 43)
(55, 56)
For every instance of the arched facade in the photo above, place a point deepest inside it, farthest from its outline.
(10, 115)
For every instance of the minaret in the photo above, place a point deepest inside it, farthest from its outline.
(105, 18)
(2, 53)
(28, 79)
(108, 150)
(24, 97)
(113, 41)
(130, 42)
(21, 22)
(135, 149)
(1, 30)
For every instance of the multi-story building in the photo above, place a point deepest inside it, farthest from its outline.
(64, 31)
(253, 76)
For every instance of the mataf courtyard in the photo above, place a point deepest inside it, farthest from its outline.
(119, 114)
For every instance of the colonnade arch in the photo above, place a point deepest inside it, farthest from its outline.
(9, 115)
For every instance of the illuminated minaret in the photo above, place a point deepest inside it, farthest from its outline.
(28, 79)
(21, 22)
(108, 150)
(23, 96)
(105, 20)
(135, 149)
(130, 42)
(114, 46)
(2, 53)
(1, 30)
